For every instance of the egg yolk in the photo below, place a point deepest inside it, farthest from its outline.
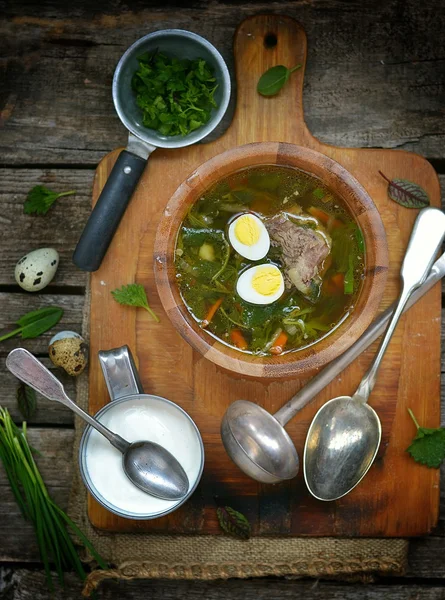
(266, 281)
(247, 230)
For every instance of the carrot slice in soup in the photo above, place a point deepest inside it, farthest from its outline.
(279, 343)
(238, 339)
(211, 312)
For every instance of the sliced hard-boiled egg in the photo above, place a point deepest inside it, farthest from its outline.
(263, 284)
(249, 237)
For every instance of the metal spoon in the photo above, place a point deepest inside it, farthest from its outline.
(256, 440)
(148, 465)
(344, 436)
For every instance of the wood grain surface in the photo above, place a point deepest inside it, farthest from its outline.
(374, 78)
(27, 585)
(384, 504)
(375, 74)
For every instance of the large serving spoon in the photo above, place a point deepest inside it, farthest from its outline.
(345, 434)
(256, 440)
(148, 465)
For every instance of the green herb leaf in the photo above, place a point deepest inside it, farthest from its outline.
(360, 240)
(196, 237)
(349, 277)
(35, 323)
(268, 181)
(428, 446)
(133, 294)
(175, 96)
(26, 401)
(271, 82)
(319, 193)
(406, 193)
(233, 522)
(40, 199)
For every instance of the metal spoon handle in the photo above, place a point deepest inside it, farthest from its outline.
(31, 371)
(369, 379)
(425, 241)
(324, 377)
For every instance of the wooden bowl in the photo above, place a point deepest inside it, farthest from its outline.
(299, 363)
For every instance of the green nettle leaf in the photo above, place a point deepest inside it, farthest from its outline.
(428, 446)
(233, 522)
(406, 193)
(26, 401)
(133, 294)
(271, 82)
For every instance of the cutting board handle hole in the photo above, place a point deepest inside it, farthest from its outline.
(270, 40)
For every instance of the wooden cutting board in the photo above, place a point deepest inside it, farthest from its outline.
(398, 497)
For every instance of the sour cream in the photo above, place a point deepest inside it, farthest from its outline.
(142, 418)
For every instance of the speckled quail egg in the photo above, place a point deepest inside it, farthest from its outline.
(263, 284)
(36, 269)
(67, 349)
(249, 237)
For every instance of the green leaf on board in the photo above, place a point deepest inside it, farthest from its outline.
(271, 82)
(134, 294)
(233, 522)
(428, 446)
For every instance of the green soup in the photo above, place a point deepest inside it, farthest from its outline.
(314, 241)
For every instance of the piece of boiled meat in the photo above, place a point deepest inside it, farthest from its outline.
(303, 250)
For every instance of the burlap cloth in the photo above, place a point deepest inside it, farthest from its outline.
(221, 557)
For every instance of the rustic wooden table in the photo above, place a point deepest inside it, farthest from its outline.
(375, 78)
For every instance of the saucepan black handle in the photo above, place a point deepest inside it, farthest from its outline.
(108, 211)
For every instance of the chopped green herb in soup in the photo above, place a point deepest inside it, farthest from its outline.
(269, 261)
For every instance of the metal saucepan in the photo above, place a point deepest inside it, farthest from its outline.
(117, 192)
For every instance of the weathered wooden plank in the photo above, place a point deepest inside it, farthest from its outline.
(13, 306)
(375, 73)
(23, 584)
(16, 535)
(48, 413)
(60, 228)
(426, 557)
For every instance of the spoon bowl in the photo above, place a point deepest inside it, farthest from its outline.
(343, 441)
(258, 444)
(149, 464)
